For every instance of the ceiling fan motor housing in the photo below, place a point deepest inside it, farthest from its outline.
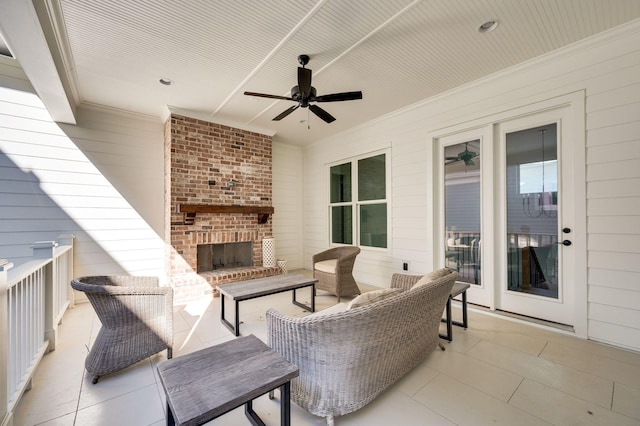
(296, 95)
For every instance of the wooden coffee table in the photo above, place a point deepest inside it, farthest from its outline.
(250, 289)
(206, 384)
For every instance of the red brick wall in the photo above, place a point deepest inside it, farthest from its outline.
(197, 152)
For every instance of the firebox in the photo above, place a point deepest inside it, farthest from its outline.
(213, 257)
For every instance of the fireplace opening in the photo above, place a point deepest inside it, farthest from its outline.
(212, 257)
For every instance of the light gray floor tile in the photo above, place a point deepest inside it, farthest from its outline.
(596, 348)
(68, 420)
(135, 408)
(487, 378)
(626, 401)
(619, 371)
(465, 405)
(586, 386)
(405, 411)
(560, 408)
(511, 334)
(417, 379)
(137, 376)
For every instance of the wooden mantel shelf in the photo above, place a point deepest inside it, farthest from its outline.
(191, 210)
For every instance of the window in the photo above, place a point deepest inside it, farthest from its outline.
(358, 190)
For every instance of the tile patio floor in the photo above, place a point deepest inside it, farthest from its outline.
(499, 371)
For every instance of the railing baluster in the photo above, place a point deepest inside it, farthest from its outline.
(35, 295)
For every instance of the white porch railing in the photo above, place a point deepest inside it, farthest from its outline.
(34, 297)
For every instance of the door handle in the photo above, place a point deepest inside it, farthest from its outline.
(564, 242)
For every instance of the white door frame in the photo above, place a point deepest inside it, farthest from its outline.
(575, 102)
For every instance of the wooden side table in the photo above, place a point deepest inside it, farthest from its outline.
(458, 288)
(208, 383)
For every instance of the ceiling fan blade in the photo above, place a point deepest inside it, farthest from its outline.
(336, 97)
(452, 158)
(286, 112)
(264, 95)
(304, 81)
(322, 113)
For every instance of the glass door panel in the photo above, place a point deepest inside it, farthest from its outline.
(532, 211)
(462, 210)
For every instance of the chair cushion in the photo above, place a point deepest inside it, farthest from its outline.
(438, 273)
(372, 297)
(327, 266)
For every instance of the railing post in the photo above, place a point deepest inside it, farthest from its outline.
(68, 240)
(6, 418)
(44, 250)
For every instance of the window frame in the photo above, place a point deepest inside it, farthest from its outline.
(356, 204)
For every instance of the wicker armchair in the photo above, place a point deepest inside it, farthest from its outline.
(137, 320)
(333, 268)
(346, 359)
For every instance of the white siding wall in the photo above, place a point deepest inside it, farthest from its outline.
(607, 69)
(287, 202)
(101, 180)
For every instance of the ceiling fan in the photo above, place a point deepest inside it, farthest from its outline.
(466, 156)
(304, 93)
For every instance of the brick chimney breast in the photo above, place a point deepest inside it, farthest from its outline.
(216, 165)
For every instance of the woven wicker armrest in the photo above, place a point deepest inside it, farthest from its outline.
(325, 255)
(119, 281)
(345, 263)
(404, 281)
(141, 290)
(346, 252)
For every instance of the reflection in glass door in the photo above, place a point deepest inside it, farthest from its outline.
(462, 210)
(532, 211)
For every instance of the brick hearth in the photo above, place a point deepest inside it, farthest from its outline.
(201, 159)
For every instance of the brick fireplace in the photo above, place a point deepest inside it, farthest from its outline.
(217, 191)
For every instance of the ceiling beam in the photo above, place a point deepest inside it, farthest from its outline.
(25, 38)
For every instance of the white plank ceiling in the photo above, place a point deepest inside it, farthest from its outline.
(396, 52)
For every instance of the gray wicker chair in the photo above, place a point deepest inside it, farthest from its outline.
(346, 359)
(340, 281)
(137, 320)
